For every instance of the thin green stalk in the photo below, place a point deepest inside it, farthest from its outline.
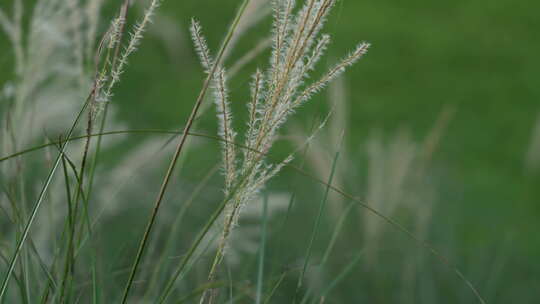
(331, 244)
(18, 281)
(292, 198)
(95, 290)
(123, 15)
(338, 278)
(42, 264)
(178, 274)
(317, 222)
(201, 236)
(175, 226)
(23, 286)
(37, 205)
(52, 285)
(273, 291)
(231, 292)
(65, 233)
(27, 270)
(262, 249)
(95, 160)
(71, 220)
(70, 228)
(23, 211)
(178, 151)
(71, 256)
(90, 124)
(219, 255)
(75, 212)
(336, 233)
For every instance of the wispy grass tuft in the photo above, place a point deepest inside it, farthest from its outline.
(276, 94)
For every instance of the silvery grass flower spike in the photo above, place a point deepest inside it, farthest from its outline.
(114, 63)
(276, 93)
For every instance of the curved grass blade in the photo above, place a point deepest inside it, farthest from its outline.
(120, 132)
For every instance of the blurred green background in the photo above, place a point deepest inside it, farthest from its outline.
(479, 57)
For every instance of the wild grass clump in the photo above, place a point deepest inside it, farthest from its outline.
(60, 41)
(69, 239)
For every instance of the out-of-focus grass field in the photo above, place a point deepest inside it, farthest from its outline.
(478, 57)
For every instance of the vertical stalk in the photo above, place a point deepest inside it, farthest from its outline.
(262, 248)
(178, 151)
(37, 205)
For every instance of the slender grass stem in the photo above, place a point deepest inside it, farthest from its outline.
(276, 286)
(350, 266)
(37, 205)
(199, 239)
(337, 231)
(178, 151)
(317, 222)
(71, 225)
(123, 15)
(176, 226)
(330, 246)
(262, 248)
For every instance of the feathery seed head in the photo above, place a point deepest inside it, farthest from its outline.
(201, 46)
(275, 95)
